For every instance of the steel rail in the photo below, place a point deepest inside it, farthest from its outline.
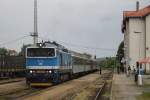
(100, 91)
(10, 81)
(105, 78)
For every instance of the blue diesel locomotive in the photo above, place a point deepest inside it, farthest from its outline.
(51, 63)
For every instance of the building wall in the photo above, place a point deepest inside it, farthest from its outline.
(147, 20)
(136, 40)
(126, 44)
(148, 36)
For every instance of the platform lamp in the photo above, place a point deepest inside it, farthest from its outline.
(139, 74)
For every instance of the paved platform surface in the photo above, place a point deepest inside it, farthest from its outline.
(124, 88)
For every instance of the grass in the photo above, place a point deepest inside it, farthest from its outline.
(144, 96)
(3, 98)
(146, 85)
(109, 81)
(106, 94)
(82, 96)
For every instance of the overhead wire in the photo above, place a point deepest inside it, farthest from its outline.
(81, 46)
(61, 42)
(14, 40)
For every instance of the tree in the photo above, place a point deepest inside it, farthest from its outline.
(3, 51)
(23, 49)
(87, 55)
(108, 62)
(120, 54)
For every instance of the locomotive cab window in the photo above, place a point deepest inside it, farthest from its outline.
(41, 52)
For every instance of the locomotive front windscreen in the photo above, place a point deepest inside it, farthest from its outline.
(40, 52)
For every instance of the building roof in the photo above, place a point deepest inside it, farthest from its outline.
(134, 14)
(140, 13)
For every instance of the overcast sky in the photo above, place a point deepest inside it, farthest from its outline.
(73, 23)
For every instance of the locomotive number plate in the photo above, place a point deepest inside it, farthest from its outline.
(40, 71)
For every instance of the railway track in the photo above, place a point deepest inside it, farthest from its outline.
(11, 90)
(15, 95)
(101, 90)
(11, 81)
(62, 90)
(92, 91)
(16, 89)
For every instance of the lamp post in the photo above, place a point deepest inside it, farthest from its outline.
(139, 74)
(126, 59)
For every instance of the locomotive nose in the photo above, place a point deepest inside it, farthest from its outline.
(40, 62)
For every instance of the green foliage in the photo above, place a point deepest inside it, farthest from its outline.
(23, 49)
(144, 96)
(3, 51)
(120, 52)
(87, 55)
(108, 62)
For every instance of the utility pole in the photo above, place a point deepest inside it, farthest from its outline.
(35, 33)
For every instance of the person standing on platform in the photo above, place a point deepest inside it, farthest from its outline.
(129, 70)
(134, 70)
(137, 72)
(141, 70)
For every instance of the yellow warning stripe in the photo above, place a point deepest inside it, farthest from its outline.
(40, 84)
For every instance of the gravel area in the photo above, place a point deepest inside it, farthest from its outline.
(65, 89)
(12, 87)
(11, 80)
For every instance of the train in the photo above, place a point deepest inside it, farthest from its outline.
(12, 66)
(50, 63)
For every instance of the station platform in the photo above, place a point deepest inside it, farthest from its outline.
(124, 88)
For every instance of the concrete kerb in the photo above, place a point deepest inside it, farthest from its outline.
(111, 94)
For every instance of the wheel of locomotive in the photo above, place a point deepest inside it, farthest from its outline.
(57, 79)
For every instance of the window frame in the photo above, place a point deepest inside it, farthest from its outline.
(42, 47)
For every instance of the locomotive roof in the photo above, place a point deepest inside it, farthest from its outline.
(60, 47)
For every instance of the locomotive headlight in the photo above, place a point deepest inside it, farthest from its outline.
(31, 71)
(50, 71)
(40, 44)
